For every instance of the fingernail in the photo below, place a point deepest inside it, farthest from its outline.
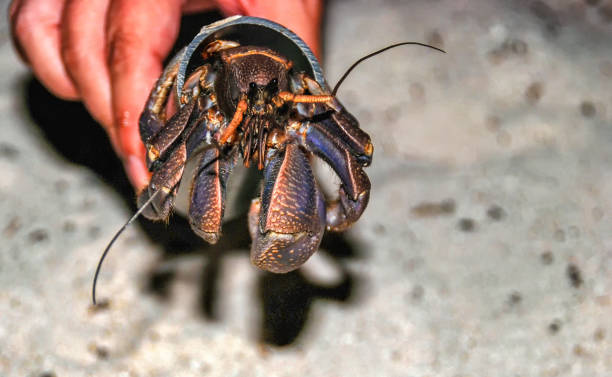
(137, 172)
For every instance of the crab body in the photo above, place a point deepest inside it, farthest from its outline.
(247, 103)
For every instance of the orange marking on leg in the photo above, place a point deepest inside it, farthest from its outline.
(301, 98)
(233, 125)
(304, 98)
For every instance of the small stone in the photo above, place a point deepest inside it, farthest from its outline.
(574, 275)
(430, 209)
(496, 212)
(38, 235)
(587, 109)
(515, 298)
(466, 225)
(534, 93)
(547, 258)
(554, 327)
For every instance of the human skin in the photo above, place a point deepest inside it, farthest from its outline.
(108, 53)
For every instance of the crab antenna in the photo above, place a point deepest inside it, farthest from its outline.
(376, 53)
(196, 152)
(112, 241)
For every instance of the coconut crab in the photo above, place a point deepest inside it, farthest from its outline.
(249, 103)
(237, 98)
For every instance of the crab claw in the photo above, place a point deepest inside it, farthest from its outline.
(287, 223)
(354, 193)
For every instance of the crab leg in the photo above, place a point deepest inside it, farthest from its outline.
(159, 144)
(153, 117)
(208, 194)
(354, 191)
(287, 222)
(165, 179)
(344, 127)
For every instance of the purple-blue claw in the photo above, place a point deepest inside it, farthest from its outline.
(354, 192)
(287, 223)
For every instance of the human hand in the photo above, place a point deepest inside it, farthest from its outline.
(108, 53)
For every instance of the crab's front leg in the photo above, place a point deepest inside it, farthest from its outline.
(288, 221)
(347, 162)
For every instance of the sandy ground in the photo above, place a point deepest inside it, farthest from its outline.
(486, 249)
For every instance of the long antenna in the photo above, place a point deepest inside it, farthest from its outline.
(194, 154)
(112, 241)
(376, 53)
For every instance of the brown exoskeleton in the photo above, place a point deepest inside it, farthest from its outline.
(250, 103)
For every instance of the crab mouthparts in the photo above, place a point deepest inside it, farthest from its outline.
(254, 139)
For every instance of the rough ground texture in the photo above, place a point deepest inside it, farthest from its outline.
(486, 249)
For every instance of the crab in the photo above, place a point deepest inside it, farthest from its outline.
(248, 103)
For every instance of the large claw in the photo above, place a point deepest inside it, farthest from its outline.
(287, 223)
(208, 194)
(354, 192)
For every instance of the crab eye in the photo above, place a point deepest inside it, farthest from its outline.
(252, 85)
(272, 86)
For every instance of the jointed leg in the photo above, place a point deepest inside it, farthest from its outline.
(354, 191)
(165, 179)
(153, 116)
(207, 202)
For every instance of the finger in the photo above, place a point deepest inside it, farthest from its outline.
(13, 10)
(139, 36)
(35, 27)
(83, 51)
(303, 17)
(193, 6)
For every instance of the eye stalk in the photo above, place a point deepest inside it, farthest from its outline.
(272, 87)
